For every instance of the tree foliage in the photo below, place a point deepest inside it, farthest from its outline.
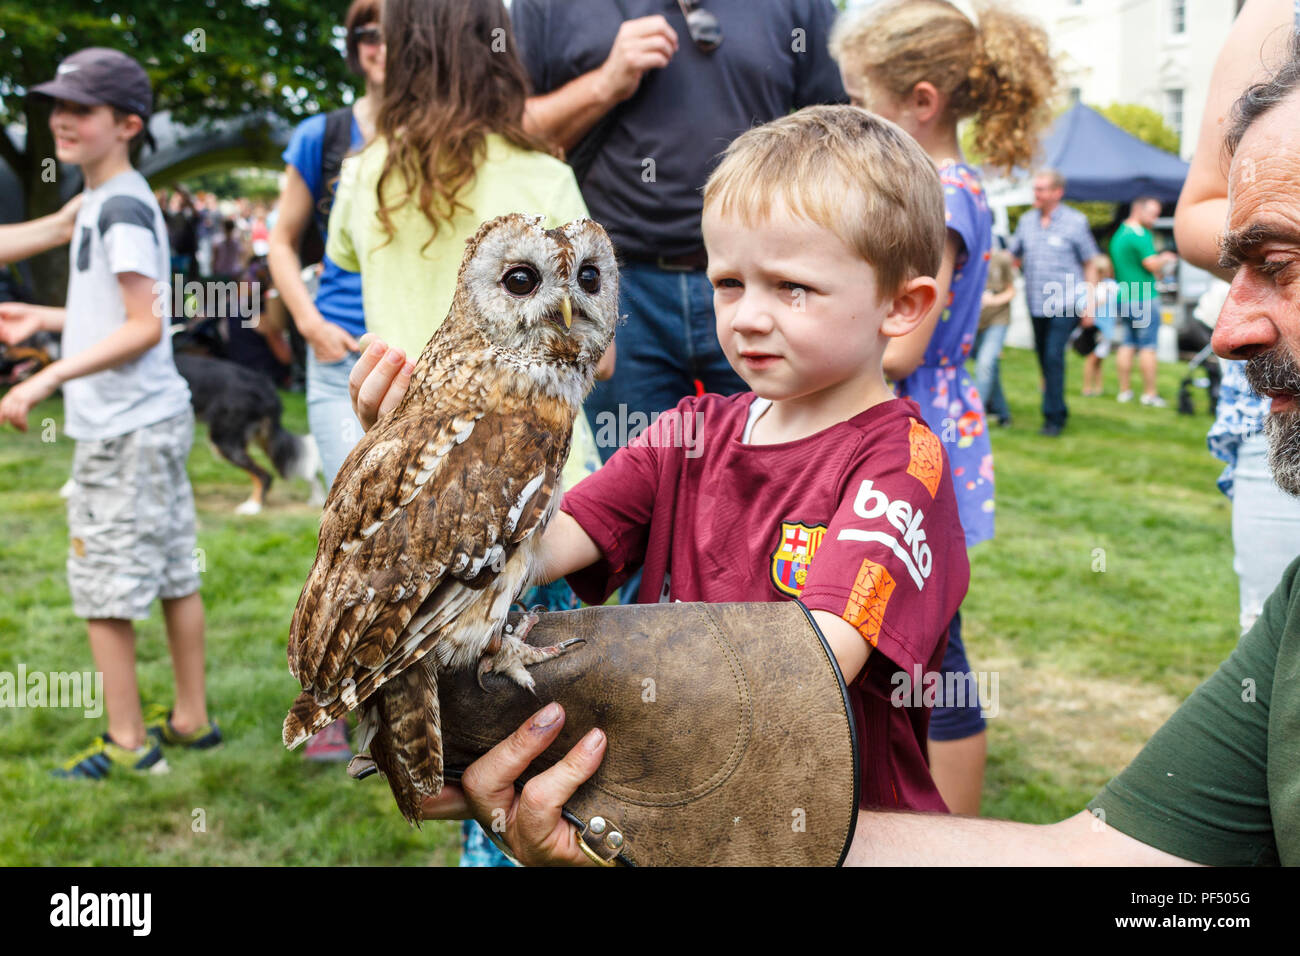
(1144, 123)
(1140, 121)
(207, 59)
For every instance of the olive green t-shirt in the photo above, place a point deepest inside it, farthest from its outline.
(406, 287)
(1219, 783)
(1128, 247)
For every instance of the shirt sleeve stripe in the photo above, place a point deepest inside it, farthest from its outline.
(126, 209)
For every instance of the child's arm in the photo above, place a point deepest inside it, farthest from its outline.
(905, 353)
(849, 647)
(992, 299)
(19, 321)
(24, 239)
(566, 548)
(142, 330)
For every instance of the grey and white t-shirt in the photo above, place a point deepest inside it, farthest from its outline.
(119, 229)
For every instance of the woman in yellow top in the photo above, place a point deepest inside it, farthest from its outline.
(450, 152)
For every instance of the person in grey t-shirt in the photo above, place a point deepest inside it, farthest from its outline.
(131, 510)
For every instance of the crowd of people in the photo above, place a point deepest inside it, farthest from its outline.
(213, 238)
(751, 208)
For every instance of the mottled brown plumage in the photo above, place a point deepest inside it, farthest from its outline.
(433, 526)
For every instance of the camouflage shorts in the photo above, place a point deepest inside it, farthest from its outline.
(131, 521)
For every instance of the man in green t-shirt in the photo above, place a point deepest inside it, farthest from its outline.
(1219, 783)
(1137, 266)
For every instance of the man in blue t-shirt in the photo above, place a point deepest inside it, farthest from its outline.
(645, 98)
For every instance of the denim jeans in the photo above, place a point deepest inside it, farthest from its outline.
(668, 342)
(1139, 324)
(329, 410)
(1265, 528)
(988, 362)
(1051, 334)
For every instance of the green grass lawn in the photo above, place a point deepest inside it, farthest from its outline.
(1088, 662)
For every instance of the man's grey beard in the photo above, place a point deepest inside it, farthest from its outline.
(1282, 429)
(1276, 371)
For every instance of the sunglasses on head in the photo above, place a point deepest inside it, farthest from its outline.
(369, 34)
(706, 32)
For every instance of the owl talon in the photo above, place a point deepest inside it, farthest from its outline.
(484, 666)
(361, 766)
(514, 657)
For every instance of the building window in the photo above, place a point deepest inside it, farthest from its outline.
(1174, 111)
(1178, 17)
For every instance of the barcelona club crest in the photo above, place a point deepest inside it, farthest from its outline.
(794, 552)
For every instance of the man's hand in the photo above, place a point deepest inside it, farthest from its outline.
(19, 321)
(378, 380)
(646, 43)
(20, 399)
(529, 820)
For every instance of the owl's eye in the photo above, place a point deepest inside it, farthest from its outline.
(521, 281)
(589, 279)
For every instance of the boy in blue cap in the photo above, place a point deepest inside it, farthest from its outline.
(131, 511)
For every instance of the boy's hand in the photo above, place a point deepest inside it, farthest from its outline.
(20, 399)
(378, 380)
(19, 321)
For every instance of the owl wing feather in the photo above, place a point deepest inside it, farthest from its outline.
(416, 528)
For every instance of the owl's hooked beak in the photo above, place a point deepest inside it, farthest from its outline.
(566, 309)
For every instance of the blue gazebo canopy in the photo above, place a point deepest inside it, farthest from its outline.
(1101, 161)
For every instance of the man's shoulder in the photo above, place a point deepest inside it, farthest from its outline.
(1071, 217)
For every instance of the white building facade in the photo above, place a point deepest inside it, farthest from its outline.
(1155, 53)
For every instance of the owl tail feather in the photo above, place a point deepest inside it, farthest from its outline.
(307, 717)
(407, 742)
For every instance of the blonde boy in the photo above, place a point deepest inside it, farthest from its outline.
(131, 511)
(824, 230)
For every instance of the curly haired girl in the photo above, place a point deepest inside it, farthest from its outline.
(927, 65)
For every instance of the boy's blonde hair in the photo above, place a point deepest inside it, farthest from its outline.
(1001, 71)
(1105, 268)
(846, 169)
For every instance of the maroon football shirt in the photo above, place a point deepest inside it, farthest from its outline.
(859, 520)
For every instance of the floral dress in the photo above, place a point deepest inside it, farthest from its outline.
(940, 385)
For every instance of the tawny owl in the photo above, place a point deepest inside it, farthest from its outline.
(434, 524)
